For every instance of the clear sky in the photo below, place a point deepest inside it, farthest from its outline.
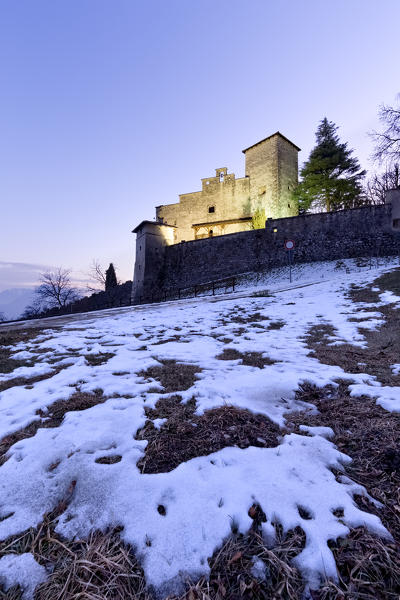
(109, 108)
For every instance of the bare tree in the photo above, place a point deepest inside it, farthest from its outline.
(387, 142)
(378, 185)
(2, 317)
(33, 310)
(56, 289)
(97, 277)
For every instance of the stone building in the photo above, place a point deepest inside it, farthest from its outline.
(226, 204)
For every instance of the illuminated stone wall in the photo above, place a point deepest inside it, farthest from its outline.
(225, 204)
(326, 236)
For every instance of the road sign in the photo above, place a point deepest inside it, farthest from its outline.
(289, 244)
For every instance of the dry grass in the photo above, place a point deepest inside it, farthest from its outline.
(101, 567)
(390, 281)
(104, 568)
(250, 359)
(173, 376)
(186, 435)
(98, 359)
(367, 433)
(383, 349)
(368, 567)
(8, 339)
(232, 576)
(53, 418)
(249, 318)
(109, 460)
(276, 325)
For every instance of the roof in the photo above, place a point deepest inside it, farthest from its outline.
(270, 136)
(151, 223)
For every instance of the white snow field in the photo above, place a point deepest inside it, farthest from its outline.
(205, 495)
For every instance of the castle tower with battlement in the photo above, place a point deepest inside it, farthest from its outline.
(225, 204)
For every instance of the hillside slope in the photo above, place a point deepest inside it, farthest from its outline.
(184, 424)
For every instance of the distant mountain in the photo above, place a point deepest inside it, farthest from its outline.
(14, 301)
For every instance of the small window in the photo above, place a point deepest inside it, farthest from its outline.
(275, 230)
(288, 205)
(211, 209)
(396, 223)
(210, 233)
(221, 176)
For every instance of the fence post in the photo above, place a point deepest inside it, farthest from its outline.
(165, 295)
(213, 288)
(195, 291)
(233, 284)
(179, 293)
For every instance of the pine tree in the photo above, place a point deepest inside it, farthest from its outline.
(331, 177)
(111, 278)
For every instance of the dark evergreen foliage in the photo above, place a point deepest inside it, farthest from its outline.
(331, 177)
(111, 278)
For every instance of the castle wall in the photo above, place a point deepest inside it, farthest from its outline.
(229, 197)
(325, 236)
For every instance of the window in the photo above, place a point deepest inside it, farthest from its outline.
(396, 223)
(211, 209)
(221, 176)
(210, 233)
(275, 230)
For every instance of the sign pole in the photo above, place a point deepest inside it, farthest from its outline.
(289, 245)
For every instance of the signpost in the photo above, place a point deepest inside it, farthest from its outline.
(289, 246)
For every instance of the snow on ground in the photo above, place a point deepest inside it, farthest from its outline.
(204, 496)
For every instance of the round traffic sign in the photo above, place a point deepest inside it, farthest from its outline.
(289, 244)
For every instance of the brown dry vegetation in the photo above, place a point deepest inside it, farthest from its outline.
(98, 359)
(250, 359)
(232, 576)
(186, 435)
(104, 568)
(101, 567)
(368, 567)
(52, 418)
(383, 349)
(8, 339)
(173, 376)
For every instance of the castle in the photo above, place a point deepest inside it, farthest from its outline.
(208, 235)
(224, 205)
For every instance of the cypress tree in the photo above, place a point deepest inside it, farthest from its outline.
(111, 278)
(331, 177)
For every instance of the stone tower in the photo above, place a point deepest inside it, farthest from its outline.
(151, 239)
(272, 168)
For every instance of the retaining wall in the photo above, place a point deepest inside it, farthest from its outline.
(326, 236)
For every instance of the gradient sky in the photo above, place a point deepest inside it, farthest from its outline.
(109, 108)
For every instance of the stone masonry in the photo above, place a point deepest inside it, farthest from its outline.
(226, 204)
(367, 231)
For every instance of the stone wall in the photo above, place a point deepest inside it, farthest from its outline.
(326, 236)
(226, 195)
(224, 203)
